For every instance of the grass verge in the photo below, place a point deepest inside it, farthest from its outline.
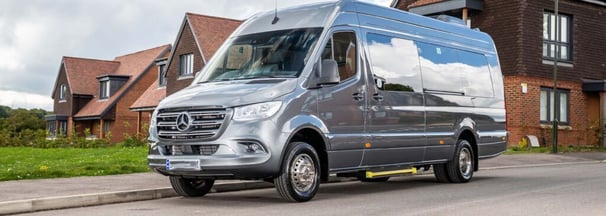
(561, 149)
(36, 163)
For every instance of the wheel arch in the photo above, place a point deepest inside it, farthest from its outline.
(313, 137)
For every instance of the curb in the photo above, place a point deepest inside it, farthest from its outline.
(73, 201)
(62, 202)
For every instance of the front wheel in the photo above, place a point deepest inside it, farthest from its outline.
(191, 187)
(299, 179)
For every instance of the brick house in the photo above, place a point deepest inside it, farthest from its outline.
(197, 41)
(95, 95)
(524, 34)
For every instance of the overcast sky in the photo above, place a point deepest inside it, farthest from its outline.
(36, 34)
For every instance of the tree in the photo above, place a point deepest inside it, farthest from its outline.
(4, 111)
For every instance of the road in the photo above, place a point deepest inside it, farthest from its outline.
(578, 189)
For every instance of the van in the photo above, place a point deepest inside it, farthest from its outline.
(346, 89)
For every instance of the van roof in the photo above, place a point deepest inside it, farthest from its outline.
(333, 13)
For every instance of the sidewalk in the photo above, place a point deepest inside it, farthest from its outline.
(35, 195)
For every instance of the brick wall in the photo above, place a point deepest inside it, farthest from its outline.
(126, 120)
(185, 44)
(523, 112)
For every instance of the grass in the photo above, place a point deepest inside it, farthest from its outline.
(36, 163)
(561, 149)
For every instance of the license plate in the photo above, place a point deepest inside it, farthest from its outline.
(183, 165)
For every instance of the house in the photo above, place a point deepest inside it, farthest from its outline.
(95, 95)
(197, 41)
(525, 36)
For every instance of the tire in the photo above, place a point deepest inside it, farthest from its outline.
(299, 178)
(439, 170)
(191, 187)
(363, 178)
(460, 168)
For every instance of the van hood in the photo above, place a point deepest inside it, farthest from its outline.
(229, 94)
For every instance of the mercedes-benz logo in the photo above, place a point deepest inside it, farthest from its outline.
(183, 121)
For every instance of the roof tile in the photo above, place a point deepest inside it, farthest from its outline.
(133, 65)
(211, 32)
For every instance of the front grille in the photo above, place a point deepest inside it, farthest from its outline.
(190, 149)
(201, 123)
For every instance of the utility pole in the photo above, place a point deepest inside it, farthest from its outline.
(556, 113)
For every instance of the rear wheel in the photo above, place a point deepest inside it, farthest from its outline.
(439, 170)
(191, 187)
(460, 169)
(299, 179)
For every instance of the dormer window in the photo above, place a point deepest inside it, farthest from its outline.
(62, 93)
(108, 84)
(105, 90)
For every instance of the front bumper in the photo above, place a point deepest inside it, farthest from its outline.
(231, 160)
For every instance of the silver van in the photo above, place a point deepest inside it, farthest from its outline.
(342, 88)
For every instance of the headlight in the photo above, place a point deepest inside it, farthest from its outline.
(257, 111)
(152, 133)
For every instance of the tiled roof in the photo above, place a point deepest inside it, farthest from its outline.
(81, 73)
(211, 32)
(150, 98)
(423, 2)
(133, 65)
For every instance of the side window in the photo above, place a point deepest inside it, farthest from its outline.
(475, 74)
(439, 68)
(342, 48)
(395, 63)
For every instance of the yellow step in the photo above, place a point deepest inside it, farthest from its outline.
(371, 174)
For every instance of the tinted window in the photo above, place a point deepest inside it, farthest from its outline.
(440, 68)
(395, 63)
(475, 74)
(342, 48)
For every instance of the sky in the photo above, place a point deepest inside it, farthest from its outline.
(36, 34)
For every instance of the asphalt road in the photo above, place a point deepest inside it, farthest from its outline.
(550, 190)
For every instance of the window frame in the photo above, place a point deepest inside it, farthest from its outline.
(104, 89)
(186, 65)
(557, 105)
(547, 31)
(356, 51)
(62, 93)
(162, 75)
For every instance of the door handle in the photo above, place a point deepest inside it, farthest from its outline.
(377, 97)
(357, 97)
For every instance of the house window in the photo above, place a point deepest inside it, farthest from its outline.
(104, 91)
(52, 130)
(186, 64)
(62, 92)
(62, 128)
(105, 127)
(162, 75)
(552, 102)
(551, 40)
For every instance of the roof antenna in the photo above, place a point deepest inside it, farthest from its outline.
(276, 19)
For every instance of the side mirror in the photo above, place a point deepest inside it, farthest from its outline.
(329, 72)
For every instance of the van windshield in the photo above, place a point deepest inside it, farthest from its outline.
(277, 54)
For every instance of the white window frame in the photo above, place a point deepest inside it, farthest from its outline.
(104, 90)
(62, 93)
(162, 75)
(186, 65)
